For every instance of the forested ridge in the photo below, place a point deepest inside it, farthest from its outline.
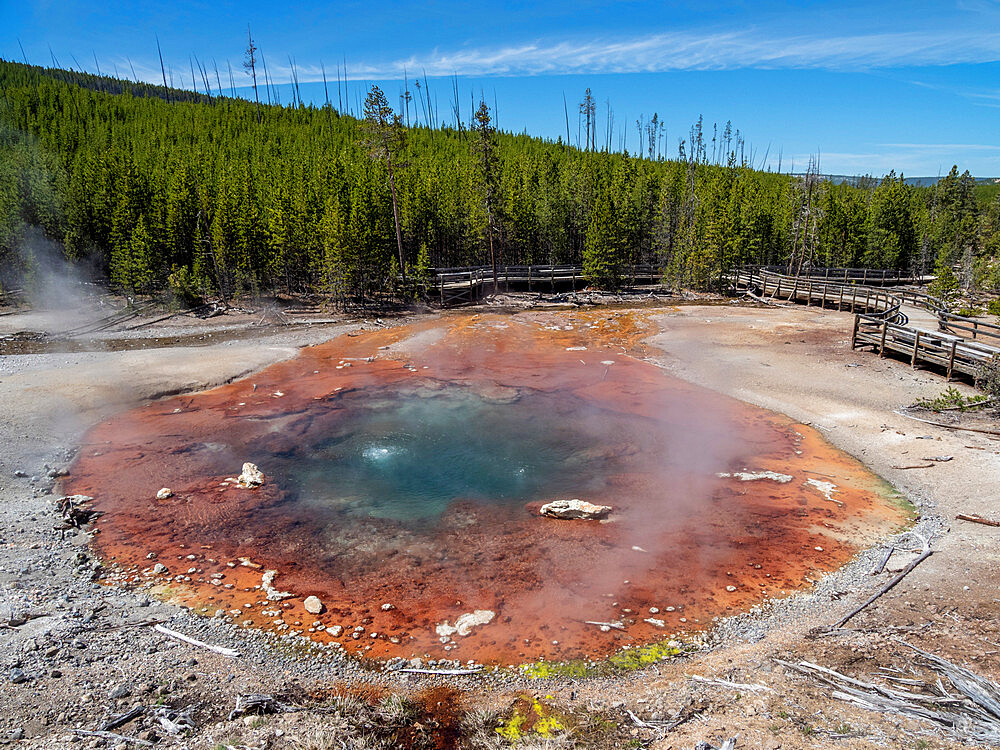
(219, 195)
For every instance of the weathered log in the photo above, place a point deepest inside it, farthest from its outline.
(977, 519)
(884, 561)
(195, 642)
(927, 552)
(113, 736)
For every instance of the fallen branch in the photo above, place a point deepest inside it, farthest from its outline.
(18, 620)
(113, 736)
(977, 519)
(660, 727)
(884, 561)
(174, 722)
(729, 744)
(757, 297)
(444, 672)
(974, 715)
(123, 719)
(115, 626)
(927, 552)
(255, 703)
(194, 642)
(948, 426)
(964, 407)
(915, 466)
(985, 693)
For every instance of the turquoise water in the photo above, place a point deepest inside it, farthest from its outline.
(408, 455)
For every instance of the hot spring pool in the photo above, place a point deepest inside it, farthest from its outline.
(404, 472)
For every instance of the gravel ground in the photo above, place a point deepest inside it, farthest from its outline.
(88, 652)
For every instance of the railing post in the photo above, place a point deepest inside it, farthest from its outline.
(529, 278)
(854, 334)
(885, 329)
(951, 360)
(916, 345)
(864, 278)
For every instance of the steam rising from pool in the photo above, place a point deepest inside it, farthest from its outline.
(403, 492)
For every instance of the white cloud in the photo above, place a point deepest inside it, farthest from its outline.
(721, 50)
(942, 146)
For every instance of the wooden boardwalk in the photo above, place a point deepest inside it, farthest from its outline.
(905, 322)
(768, 285)
(455, 286)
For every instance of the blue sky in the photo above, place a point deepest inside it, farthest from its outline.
(868, 86)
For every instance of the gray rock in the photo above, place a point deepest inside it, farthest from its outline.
(574, 510)
(122, 691)
(18, 677)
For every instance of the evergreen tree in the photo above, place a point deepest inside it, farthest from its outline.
(385, 139)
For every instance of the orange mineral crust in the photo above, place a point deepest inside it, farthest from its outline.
(404, 473)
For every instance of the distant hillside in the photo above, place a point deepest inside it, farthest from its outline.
(839, 179)
(929, 181)
(160, 188)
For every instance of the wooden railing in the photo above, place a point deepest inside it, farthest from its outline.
(881, 322)
(953, 353)
(978, 329)
(466, 285)
(814, 291)
(868, 276)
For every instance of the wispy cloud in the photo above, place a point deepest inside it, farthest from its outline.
(720, 50)
(943, 146)
(914, 159)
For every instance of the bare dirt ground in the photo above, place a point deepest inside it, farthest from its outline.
(87, 653)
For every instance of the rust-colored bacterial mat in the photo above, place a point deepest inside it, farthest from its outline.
(404, 471)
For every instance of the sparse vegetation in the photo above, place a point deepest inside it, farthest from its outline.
(951, 399)
(988, 379)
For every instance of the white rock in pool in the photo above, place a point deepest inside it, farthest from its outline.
(574, 510)
(753, 476)
(251, 476)
(164, 493)
(313, 605)
(465, 623)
